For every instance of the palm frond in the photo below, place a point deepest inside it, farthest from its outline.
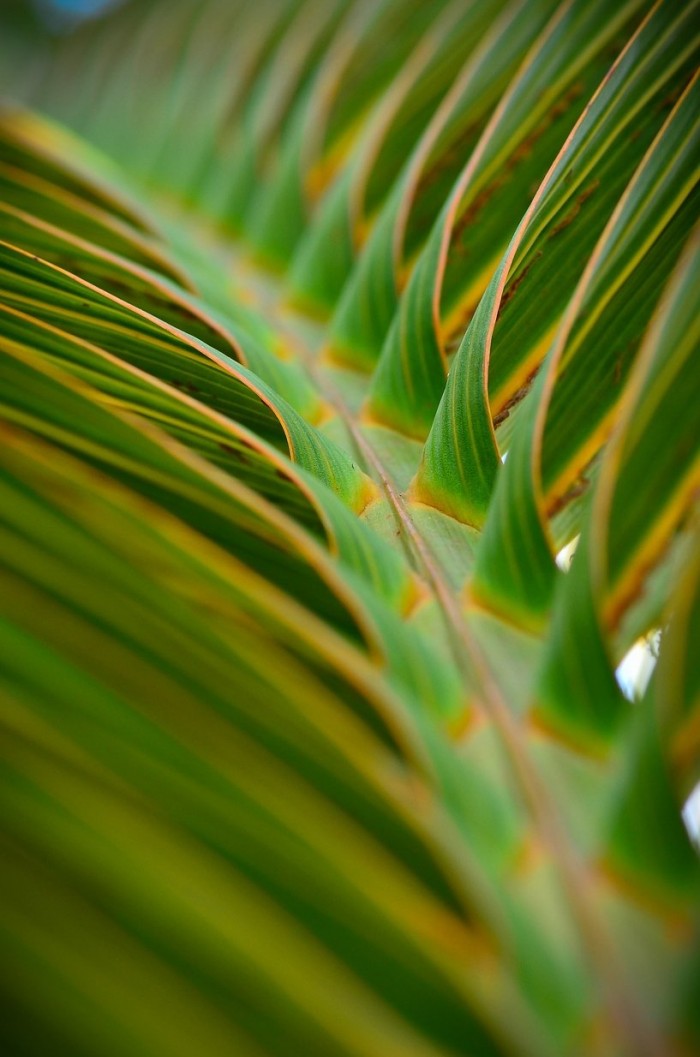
(324, 327)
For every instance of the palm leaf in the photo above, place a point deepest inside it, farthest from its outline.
(310, 743)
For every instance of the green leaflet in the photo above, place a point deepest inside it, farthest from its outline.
(677, 680)
(123, 531)
(50, 153)
(461, 458)
(224, 444)
(371, 45)
(47, 199)
(318, 270)
(54, 295)
(646, 231)
(161, 297)
(537, 110)
(660, 379)
(197, 494)
(369, 300)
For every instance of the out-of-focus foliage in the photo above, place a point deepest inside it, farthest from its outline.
(324, 326)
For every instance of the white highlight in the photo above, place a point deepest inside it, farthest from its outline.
(634, 671)
(691, 815)
(565, 555)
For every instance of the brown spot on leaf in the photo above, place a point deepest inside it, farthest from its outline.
(575, 489)
(575, 209)
(511, 290)
(515, 399)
